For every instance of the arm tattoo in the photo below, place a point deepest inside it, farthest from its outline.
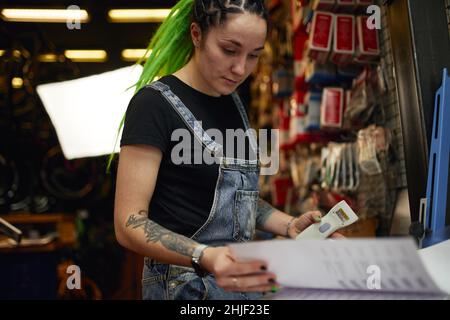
(156, 233)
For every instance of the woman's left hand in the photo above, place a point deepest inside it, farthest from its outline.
(305, 220)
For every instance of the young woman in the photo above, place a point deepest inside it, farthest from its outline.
(178, 214)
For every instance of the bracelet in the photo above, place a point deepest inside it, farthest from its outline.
(288, 226)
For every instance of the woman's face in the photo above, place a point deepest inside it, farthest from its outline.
(229, 52)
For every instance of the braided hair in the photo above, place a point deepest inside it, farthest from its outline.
(171, 46)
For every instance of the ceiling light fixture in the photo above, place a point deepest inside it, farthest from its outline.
(45, 15)
(137, 15)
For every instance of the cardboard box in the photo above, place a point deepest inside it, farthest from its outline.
(325, 5)
(319, 42)
(332, 107)
(343, 39)
(367, 42)
(345, 6)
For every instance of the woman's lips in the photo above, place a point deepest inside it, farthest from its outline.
(230, 81)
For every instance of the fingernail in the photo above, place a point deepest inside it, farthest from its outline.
(317, 219)
(271, 280)
(263, 268)
(274, 289)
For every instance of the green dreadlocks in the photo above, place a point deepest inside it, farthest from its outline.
(171, 48)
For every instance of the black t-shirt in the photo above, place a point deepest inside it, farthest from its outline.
(184, 193)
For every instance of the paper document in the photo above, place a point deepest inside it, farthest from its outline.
(343, 268)
(437, 262)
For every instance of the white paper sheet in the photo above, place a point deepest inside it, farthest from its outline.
(343, 264)
(318, 294)
(437, 262)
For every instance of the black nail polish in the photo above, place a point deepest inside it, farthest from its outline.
(263, 268)
(271, 281)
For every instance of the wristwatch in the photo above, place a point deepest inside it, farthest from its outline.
(195, 261)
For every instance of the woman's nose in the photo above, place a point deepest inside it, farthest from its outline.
(239, 67)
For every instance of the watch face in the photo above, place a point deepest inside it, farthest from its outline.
(198, 269)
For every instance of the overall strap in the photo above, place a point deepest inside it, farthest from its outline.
(243, 113)
(215, 148)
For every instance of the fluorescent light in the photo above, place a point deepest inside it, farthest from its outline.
(134, 54)
(17, 83)
(86, 55)
(45, 15)
(50, 57)
(138, 15)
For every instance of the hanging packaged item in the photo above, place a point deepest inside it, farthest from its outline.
(367, 44)
(312, 118)
(281, 187)
(372, 142)
(345, 6)
(346, 124)
(366, 94)
(344, 39)
(325, 5)
(319, 42)
(332, 107)
(339, 167)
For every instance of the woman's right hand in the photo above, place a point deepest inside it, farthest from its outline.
(250, 276)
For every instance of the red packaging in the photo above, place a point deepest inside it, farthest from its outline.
(331, 108)
(281, 187)
(326, 5)
(319, 43)
(347, 6)
(343, 39)
(367, 44)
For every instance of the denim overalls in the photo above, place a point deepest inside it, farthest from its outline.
(233, 216)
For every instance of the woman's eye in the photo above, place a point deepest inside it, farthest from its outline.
(230, 52)
(253, 56)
